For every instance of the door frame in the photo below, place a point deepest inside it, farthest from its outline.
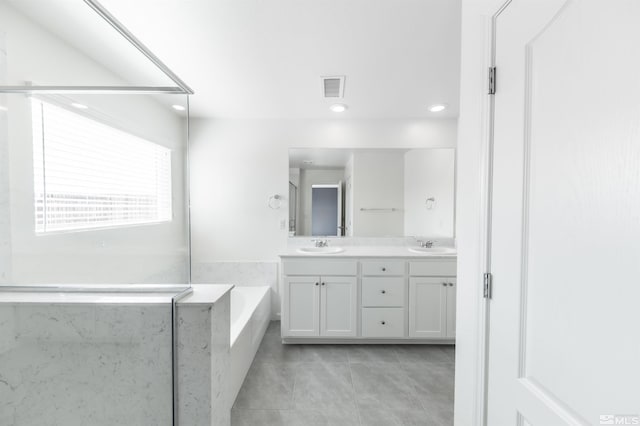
(473, 224)
(487, 208)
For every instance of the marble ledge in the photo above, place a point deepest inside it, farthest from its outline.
(370, 252)
(202, 294)
(65, 298)
(205, 294)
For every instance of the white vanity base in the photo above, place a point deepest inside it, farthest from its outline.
(356, 298)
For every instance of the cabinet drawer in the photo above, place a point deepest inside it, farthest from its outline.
(383, 291)
(383, 322)
(434, 268)
(383, 267)
(320, 267)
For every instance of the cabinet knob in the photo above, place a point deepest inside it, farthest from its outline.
(383, 291)
(444, 284)
(382, 322)
(384, 269)
(450, 284)
(322, 283)
(317, 283)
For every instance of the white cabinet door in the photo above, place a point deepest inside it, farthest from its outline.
(451, 307)
(427, 306)
(338, 306)
(301, 306)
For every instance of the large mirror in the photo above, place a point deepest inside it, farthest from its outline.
(372, 192)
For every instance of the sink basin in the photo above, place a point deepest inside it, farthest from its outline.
(432, 250)
(321, 250)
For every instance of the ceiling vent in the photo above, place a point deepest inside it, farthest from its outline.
(333, 86)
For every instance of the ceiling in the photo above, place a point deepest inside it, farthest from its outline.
(264, 58)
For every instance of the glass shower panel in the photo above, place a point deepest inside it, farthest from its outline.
(66, 43)
(94, 245)
(96, 189)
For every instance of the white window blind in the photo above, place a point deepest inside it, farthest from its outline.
(90, 175)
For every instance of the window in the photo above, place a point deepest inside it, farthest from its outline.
(90, 175)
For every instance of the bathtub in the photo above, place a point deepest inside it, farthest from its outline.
(250, 316)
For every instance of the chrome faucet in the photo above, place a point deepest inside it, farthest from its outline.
(321, 243)
(426, 244)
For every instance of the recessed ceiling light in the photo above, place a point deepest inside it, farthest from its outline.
(79, 106)
(437, 108)
(338, 107)
(178, 107)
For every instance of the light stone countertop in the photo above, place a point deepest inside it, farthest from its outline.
(90, 294)
(205, 294)
(114, 294)
(369, 251)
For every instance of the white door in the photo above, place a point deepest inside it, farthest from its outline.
(338, 306)
(301, 306)
(564, 344)
(427, 307)
(451, 307)
(348, 207)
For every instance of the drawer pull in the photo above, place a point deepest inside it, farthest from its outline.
(384, 269)
(382, 322)
(383, 291)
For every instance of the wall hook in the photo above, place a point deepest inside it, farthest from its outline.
(431, 202)
(275, 202)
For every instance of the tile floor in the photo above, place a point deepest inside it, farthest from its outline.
(344, 385)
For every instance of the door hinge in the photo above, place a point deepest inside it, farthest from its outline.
(492, 80)
(488, 285)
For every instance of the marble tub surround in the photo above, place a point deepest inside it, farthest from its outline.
(203, 356)
(105, 357)
(74, 363)
(241, 274)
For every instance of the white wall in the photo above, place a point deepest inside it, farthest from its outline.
(237, 164)
(429, 173)
(309, 177)
(471, 150)
(378, 183)
(155, 253)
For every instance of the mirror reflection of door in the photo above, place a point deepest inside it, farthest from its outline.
(326, 210)
(293, 207)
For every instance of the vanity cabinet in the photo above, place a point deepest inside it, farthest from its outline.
(377, 299)
(432, 298)
(383, 298)
(322, 305)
